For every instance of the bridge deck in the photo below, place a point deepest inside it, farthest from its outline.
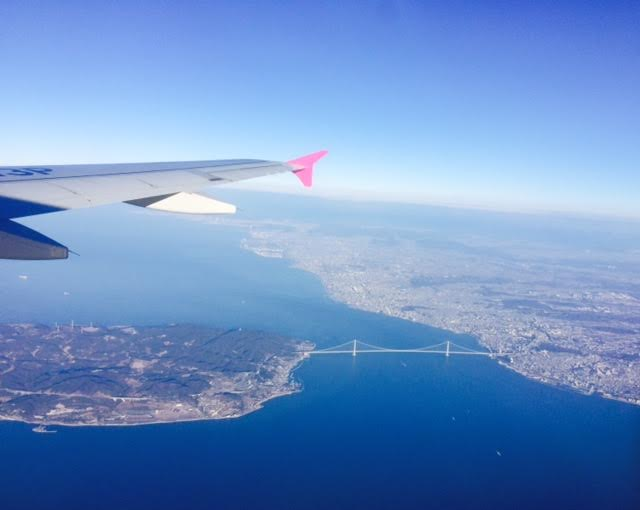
(447, 348)
(416, 351)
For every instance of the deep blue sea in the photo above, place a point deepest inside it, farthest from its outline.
(383, 431)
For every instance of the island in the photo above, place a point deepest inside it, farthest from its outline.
(124, 375)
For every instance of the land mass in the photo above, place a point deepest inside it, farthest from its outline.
(566, 316)
(127, 375)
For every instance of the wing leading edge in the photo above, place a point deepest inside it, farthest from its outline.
(31, 190)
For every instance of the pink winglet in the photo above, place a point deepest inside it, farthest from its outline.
(303, 167)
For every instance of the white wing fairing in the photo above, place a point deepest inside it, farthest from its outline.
(30, 190)
(188, 203)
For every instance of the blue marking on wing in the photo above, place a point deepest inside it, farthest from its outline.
(14, 208)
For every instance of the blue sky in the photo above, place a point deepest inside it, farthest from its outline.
(522, 105)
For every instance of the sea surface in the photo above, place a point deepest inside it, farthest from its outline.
(377, 431)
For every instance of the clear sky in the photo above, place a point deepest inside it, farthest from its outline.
(526, 105)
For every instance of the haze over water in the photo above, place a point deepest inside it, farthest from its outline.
(377, 431)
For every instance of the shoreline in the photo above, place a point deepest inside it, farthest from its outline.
(495, 297)
(219, 394)
(260, 405)
(567, 387)
(298, 389)
(476, 337)
(146, 424)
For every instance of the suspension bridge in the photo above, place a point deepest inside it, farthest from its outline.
(355, 347)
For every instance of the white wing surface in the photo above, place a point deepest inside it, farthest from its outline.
(30, 190)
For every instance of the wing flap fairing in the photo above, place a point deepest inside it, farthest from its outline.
(187, 203)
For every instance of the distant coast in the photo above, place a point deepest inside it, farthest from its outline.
(568, 321)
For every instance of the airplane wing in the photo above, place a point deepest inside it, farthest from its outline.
(31, 190)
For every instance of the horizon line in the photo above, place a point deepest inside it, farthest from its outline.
(368, 196)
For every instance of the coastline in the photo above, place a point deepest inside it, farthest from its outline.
(338, 295)
(157, 375)
(257, 407)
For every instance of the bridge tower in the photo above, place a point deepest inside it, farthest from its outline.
(353, 353)
(447, 351)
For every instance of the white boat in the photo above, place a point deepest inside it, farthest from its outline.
(42, 429)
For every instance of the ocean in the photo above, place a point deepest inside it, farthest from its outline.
(377, 431)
